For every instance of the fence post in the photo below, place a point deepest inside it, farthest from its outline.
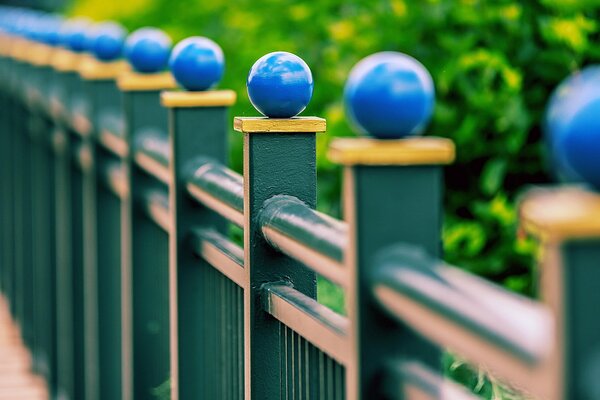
(567, 223)
(197, 126)
(103, 230)
(277, 161)
(392, 193)
(145, 246)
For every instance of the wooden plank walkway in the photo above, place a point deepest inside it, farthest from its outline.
(17, 381)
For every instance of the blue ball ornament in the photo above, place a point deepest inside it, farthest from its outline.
(280, 85)
(572, 126)
(389, 95)
(197, 63)
(108, 41)
(76, 34)
(148, 49)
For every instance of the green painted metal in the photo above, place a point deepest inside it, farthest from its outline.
(103, 97)
(145, 287)
(219, 181)
(580, 277)
(296, 220)
(411, 272)
(274, 164)
(412, 198)
(208, 351)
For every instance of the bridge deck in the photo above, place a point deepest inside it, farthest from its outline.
(17, 381)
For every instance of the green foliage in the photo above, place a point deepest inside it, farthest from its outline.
(494, 64)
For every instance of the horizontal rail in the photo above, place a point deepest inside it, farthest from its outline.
(321, 326)
(508, 334)
(412, 380)
(112, 133)
(83, 157)
(224, 255)
(152, 155)
(312, 238)
(220, 189)
(156, 203)
(113, 175)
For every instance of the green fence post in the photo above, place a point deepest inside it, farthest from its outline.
(567, 222)
(69, 270)
(145, 245)
(392, 193)
(104, 229)
(198, 127)
(280, 160)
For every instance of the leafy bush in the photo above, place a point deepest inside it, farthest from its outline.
(494, 65)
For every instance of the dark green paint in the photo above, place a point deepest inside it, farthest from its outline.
(580, 277)
(210, 353)
(274, 164)
(399, 267)
(224, 184)
(296, 220)
(392, 204)
(147, 263)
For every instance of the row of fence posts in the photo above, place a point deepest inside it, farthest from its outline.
(118, 267)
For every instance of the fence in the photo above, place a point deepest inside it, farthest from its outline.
(116, 203)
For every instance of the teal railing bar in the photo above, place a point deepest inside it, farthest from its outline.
(315, 322)
(455, 310)
(412, 380)
(295, 229)
(152, 155)
(156, 204)
(221, 253)
(220, 189)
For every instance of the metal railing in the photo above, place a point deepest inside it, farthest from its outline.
(116, 202)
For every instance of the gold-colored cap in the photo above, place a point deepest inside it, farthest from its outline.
(40, 55)
(409, 151)
(92, 69)
(561, 213)
(280, 125)
(64, 60)
(137, 82)
(209, 98)
(19, 48)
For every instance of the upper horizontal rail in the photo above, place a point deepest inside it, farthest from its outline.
(312, 238)
(220, 189)
(509, 334)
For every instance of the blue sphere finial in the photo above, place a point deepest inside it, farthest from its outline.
(572, 127)
(108, 41)
(280, 85)
(148, 49)
(389, 95)
(197, 63)
(75, 35)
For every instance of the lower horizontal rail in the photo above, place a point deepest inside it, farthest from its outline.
(411, 380)
(224, 255)
(157, 207)
(152, 155)
(322, 327)
(115, 179)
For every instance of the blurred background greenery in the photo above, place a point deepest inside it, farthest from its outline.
(494, 64)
